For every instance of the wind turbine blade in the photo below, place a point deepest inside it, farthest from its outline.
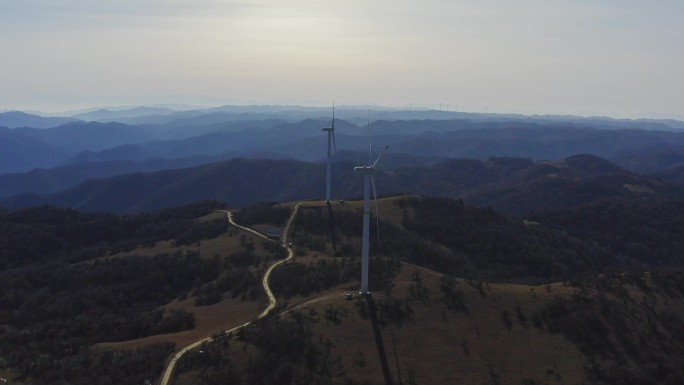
(332, 128)
(370, 142)
(377, 213)
(380, 156)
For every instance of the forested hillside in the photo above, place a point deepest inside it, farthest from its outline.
(452, 238)
(50, 234)
(73, 280)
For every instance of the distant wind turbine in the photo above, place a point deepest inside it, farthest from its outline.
(331, 141)
(368, 180)
(328, 176)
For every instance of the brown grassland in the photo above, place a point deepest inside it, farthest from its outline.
(489, 339)
(438, 345)
(210, 319)
(441, 346)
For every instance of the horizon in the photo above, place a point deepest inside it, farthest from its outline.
(177, 107)
(616, 59)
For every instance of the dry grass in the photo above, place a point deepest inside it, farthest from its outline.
(11, 378)
(221, 246)
(209, 320)
(639, 189)
(387, 208)
(431, 345)
(159, 248)
(216, 215)
(440, 346)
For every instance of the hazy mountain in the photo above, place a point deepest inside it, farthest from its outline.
(574, 182)
(638, 150)
(125, 152)
(653, 158)
(391, 160)
(81, 136)
(51, 180)
(673, 175)
(226, 114)
(515, 186)
(247, 140)
(180, 129)
(204, 145)
(537, 142)
(14, 119)
(238, 182)
(207, 133)
(359, 115)
(19, 152)
(481, 140)
(108, 115)
(607, 123)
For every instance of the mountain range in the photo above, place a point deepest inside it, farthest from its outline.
(116, 142)
(516, 186)
(15, 119)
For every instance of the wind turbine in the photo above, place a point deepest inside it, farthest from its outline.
(368, 181)
(331, 141)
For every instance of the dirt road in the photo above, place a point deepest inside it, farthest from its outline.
(171, 365)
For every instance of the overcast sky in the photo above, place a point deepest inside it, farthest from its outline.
(615, 57)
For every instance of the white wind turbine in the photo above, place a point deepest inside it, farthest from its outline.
(331, 142)
(368, 180)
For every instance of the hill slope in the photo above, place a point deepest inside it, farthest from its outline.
(139, 283)
(152, 279)
(425, 327)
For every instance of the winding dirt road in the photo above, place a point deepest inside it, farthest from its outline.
(171, 365)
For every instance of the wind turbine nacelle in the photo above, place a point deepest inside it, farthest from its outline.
(328, 129)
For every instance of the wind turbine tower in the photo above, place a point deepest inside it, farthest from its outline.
(331, 144)
(368, 181)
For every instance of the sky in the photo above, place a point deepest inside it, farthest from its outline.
(621, 58)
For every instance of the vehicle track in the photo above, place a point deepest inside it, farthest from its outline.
(171, 364)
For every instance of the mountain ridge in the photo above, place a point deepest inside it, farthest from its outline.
(515, 186)
(17, 119)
